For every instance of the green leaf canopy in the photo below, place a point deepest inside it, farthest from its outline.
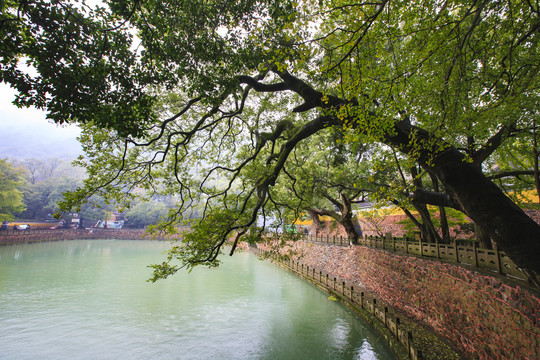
(210, 99)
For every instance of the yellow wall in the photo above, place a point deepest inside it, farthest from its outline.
(528, 196)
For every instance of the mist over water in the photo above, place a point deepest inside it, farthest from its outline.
(90, 300)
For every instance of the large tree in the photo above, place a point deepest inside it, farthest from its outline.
(325, 177)
(444, 82)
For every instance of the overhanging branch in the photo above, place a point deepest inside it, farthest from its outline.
(433, 198)
(515, 173)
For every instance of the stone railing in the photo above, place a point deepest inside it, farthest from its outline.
(466, 252)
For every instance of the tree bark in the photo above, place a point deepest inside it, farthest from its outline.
(483, 238)
(444, 225)
(316, 221)
(508, 225)
(350, 230)
(429, 233)
(345, 218)
(536, 154)
(445, 230)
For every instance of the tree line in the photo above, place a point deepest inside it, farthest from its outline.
(31, 189)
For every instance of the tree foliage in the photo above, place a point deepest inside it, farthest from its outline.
(11, 195)
(46, 181)
(145, 213)
(211, 100)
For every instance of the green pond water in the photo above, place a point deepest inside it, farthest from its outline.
(90, 300)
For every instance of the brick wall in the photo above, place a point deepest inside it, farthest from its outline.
(483, 316)
(533, 214)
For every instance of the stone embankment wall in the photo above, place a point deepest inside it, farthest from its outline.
(485, 317)
(390, 224)
(34, 236)
(533, 214)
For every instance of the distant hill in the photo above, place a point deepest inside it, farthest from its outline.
(26, 133)
(16, 144)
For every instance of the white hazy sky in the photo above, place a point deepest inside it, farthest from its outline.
(26, 133)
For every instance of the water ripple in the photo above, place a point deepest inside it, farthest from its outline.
(90, 300)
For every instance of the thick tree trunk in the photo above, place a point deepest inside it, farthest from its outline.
(429, 233)
(484, 240)
(537, 174)
(513, 231)
(345, 218)
(350, 229)
(444, 225)
(536, 154)
(316, 222)
(445, 230)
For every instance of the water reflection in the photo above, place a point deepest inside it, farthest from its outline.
(90, 300)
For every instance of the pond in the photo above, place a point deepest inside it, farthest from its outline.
(89, 299)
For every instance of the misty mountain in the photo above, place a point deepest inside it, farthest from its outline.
(41, 141)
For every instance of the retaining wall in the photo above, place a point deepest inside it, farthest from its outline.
(391, 224)
(483, 316)
(35, 236)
